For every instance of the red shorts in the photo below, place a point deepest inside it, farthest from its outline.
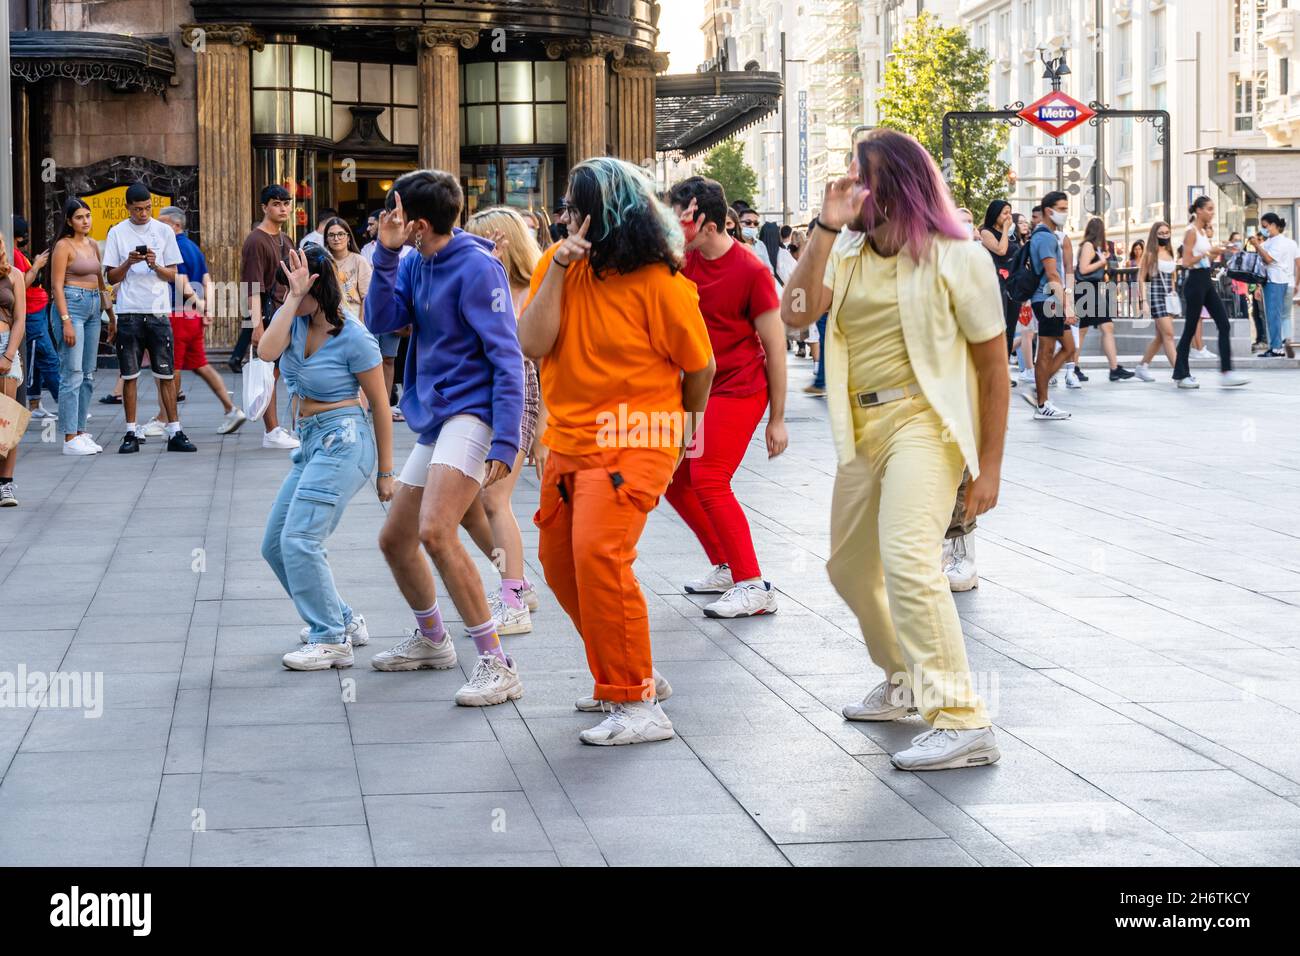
(187, 339)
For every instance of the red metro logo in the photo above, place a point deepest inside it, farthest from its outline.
(1056, 114)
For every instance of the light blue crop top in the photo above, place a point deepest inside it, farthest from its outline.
(330, 375)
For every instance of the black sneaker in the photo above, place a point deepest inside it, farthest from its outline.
(179, 442)
(130, 444)
(235, 365)
(111, 400)
(1078, 373)
(180, 396)
(1120, 374)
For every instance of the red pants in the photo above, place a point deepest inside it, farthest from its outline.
(591, 514)
(701, 490)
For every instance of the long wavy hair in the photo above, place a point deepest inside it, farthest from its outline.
(521, 250)
(330, 224)
(630, 227)
(325, 290)
(70, 209)
(1151, 254)
(5, 264)
(907, 195)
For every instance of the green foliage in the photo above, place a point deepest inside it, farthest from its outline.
(935, 69)
(726, 163)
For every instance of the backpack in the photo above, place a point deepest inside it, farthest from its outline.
(1024, 279)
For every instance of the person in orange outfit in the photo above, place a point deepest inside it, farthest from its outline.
(626, 368)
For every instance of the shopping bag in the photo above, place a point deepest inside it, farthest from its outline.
(259, 387)
(14, 417)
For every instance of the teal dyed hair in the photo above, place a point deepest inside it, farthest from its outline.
(625, 194)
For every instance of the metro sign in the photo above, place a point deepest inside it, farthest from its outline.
(1056, 114)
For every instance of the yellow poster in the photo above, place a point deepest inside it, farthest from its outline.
(108, 208)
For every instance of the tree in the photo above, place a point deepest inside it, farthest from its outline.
(935, 69)
(726, 163)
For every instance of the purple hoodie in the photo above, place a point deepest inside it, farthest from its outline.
(463, 357)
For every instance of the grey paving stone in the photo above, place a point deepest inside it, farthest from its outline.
(316, 700)
(1199, 800)
(424, 829)
(1246, 847)
(281, 798)
(879, 853)
(1110, 747)
(719, 839)
(117, 729)
(415, 722)
(300, 746)
(434, 768)
(846, 809)
(284, 846)
(84, 776)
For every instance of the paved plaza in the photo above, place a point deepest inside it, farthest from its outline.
(1136, 629)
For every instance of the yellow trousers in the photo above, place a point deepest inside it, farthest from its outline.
(889, 512)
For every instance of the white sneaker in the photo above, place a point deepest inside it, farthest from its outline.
(1050, 412)
(1204, 353)
(75, 446)
(959, 564)
(415, 653)
(40, 411)
(90, 443)
(234, 418)
(590, 705)
(509, 620)
(636, 722)
(493, 682)
(355, 632)
(938, 749)
(1054, 381)
(715, 582)
(1031, 398)
(1072, 380)
(277, 437)
(319, 657)
(744, 600)
(153, 429)
(1188, 382)
(1027, 376)
(529, 596)
(1232, 379)
(885, 702)
(1143, 372)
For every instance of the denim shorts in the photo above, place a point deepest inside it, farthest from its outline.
(15, 370)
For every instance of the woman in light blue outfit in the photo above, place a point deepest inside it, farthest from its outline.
(80, 295)
(326, 358)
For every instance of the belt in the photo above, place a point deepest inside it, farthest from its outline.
(885, 395)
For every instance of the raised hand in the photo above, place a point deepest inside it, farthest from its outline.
(574, 246)
(300, 280)
(393, 230)
(842, 201)
(499, 242)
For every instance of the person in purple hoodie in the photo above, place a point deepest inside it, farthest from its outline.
(464, 398)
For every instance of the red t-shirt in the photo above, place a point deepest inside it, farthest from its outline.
(37, 298)
(735, 289)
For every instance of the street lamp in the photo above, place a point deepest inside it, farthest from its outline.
(1054, 68)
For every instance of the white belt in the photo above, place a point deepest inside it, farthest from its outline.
(885, 395)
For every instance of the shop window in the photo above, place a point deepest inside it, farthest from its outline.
(394, 87)
(513, 103)
(292, 86)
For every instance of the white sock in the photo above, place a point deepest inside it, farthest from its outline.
(130, 428)
(173, 428)
(756, 582)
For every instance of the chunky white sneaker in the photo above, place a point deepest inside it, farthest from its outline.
(1027, 376)
(493, 682)
(509, 620)
(319, 657)
(416, 653)
(75, 446)
(885, 702)
(277, 437)
(636, 722)
(715, 582)
(1232, 379)
(153, 429)
(940, 749)
(1203, 353)
(590, 705)
(530, 598)
(1051, 413)
(89, 442)
(959, 564)
(234, 418)
(744, 600)
(1072, 380)
(355, 633)
(1143, 372)
(1188, 382)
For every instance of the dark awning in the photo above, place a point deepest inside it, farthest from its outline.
(694, 111)
(123, 62)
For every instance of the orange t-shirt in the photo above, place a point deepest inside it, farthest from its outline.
(614, 377)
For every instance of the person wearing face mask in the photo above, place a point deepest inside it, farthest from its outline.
(1282, 257)
(743, 314)
(1157, 296)
(1199, 250)
(1053, 306)
(749, 226)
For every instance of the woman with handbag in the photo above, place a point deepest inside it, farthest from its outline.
(1093, 299)
(1157, 296)
(1280, 256)
(13, 302)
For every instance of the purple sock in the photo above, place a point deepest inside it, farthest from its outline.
(510, 588)
(486, 640)
(430, 624)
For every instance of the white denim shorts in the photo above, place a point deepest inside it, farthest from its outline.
(16, 370)
(463, 444)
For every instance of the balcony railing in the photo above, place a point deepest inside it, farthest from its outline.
(1279, 31)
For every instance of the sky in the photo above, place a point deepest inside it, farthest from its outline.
(679, 34)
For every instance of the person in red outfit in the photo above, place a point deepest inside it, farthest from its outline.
(742, 310)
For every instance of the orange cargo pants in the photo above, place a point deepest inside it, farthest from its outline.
(592, 511)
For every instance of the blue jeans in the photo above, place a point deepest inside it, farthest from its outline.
(819, 378)
(331, 465)
(1277, 309)
(42, 359)
(77, 362)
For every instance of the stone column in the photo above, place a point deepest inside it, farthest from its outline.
(439, 98)
(632, 90)
(586, 101)
(223, 91)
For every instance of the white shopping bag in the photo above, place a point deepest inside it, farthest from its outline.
(259, 387)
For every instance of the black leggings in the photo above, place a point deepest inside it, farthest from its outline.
(1011, 311)
(1199, 292)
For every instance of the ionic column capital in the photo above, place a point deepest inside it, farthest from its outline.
(585, 47)
(636, 61)
(194, 35)
(429, 37)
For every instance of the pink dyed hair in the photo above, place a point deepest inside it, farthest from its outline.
(904, 180)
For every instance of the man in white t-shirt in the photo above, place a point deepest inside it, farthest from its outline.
(1281, 257)
(141, 256)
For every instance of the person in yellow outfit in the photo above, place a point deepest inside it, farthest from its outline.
(917, 391)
